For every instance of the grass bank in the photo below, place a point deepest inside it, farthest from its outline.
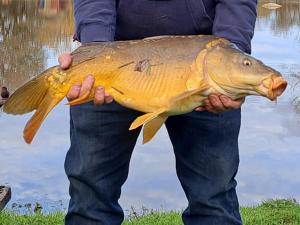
(273, 212)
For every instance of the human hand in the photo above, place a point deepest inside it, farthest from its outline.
(78, 89)
(4, 95)
(220, 103)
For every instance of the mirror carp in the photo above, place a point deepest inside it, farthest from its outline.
(160, 76)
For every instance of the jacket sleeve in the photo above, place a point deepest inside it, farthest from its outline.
(95, 20)
(235, 21)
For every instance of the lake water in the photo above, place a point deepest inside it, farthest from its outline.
(34, 33)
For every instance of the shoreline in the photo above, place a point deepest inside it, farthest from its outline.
(271, 212)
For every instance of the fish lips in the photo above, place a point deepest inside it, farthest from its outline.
(277, 86)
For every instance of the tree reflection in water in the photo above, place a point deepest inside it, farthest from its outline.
(283, 19)
(28, 29)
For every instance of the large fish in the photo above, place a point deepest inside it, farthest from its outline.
(160, 76)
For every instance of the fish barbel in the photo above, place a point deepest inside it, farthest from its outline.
(160, 76)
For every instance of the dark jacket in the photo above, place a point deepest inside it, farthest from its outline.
(107, 20)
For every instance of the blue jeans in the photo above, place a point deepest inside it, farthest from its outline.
(97, 163)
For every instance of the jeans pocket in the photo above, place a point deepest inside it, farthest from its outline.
(203, 22)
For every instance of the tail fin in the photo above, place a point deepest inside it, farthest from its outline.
(29, 96)
(34, 95)
(36, 120)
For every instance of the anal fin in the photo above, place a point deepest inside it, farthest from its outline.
(144, 119)
(151, 128)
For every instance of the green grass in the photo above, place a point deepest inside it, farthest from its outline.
(10, 218)
(272, 212)
(156, 218)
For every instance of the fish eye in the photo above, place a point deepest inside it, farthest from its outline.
(247, 62)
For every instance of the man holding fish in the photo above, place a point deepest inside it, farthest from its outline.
(205, 141)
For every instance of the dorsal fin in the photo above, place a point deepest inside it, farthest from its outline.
(159, 37)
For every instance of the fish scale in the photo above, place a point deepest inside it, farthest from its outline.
(155, 82)
(151, 80)
(160, 81)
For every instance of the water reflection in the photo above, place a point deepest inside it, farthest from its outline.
(54, 6)
(281, 21)
(28, 29)
(33, 33)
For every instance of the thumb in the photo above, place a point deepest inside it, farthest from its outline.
(65, 60)
(4, 92)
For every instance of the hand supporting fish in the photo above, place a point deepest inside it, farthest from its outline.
(161, 77)
(220, 103)
(78, 89)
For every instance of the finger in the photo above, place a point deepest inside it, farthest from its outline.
(87, 85)
(227, 102)
(74, 92)
(99, 96)
(212, 109)
(4, 92)
(203, 108)
(231, 104)
(216, 103)
(108, 98)
(200, 109)
(65, 60)
(206, 102)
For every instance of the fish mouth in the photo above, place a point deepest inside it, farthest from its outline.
(276, 87)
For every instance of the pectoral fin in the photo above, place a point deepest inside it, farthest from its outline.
(189, 93)
(144, 119)
(151, 128)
